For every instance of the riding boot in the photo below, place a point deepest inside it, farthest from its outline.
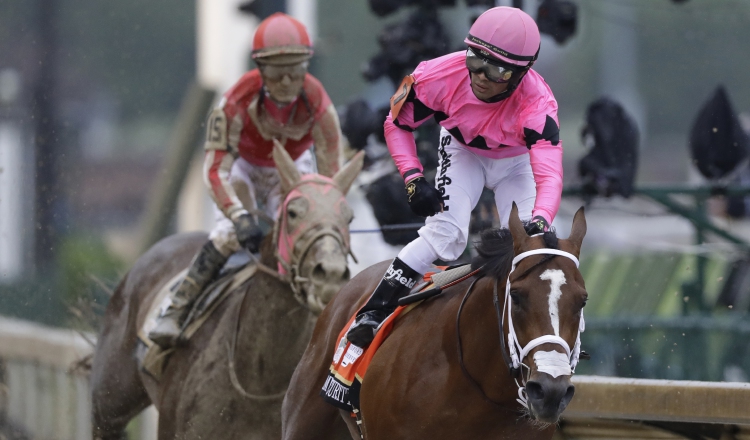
(204, 268)
(396, 283)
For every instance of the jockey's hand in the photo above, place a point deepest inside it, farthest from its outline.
(248, 232)
(424, 199)
(537, 225)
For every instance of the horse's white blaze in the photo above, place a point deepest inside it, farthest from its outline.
(556, 278)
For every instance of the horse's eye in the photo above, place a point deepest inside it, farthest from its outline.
(514, 297)
(297, 208)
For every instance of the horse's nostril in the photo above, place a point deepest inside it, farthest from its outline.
(569, 394)
(534, 390)
(319, 273)
(324, 273)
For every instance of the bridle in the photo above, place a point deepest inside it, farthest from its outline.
(513, 353)
(289, 265)
(285, 243)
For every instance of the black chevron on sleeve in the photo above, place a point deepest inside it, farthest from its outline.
(420, 111)
(551, 132)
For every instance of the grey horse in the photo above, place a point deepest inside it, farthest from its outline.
(229, 379)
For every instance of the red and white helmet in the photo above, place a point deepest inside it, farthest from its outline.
(507, 34)
(281, 39)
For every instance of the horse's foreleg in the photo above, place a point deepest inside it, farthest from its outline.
(118, 394)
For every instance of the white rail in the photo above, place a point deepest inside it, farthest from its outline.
(613, 407)
(42, 395)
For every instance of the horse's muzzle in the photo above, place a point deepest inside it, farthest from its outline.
(548, 397)
(328, 274)
(328, 278)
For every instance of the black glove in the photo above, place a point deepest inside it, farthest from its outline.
(248, 232)
(537, 225)
(424, 199)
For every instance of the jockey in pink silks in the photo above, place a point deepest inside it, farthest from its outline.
(499, 130)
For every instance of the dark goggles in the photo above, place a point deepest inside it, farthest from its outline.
(277, 73)
(494, 70)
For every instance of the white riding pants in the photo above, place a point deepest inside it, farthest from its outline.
(255, 186)
(461, 177)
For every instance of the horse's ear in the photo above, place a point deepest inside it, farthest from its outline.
(346, 175)
(578, 230)
(516, 228)
(285, 165)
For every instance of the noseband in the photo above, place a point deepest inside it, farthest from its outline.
(289, 262)
(513, 353)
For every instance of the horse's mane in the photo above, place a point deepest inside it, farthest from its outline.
(495, 251)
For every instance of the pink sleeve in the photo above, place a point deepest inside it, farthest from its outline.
(402, 147)
(546, 164)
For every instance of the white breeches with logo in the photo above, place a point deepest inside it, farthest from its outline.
(258, 188)
(461, 177)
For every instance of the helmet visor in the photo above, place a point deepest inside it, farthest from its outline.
(494, 70)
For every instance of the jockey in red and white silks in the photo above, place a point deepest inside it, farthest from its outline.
(241, 130)
(499, 130)
(277, 101)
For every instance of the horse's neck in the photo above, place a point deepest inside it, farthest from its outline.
(271, 302)
(267, 252)
(273, 330)
(482, 355)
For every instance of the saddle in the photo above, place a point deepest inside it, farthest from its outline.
(235, 273)
(350, 363)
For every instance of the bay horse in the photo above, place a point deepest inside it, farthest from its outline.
(466, 364)
(229, 379)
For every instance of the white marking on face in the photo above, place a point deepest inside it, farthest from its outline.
(556, 277)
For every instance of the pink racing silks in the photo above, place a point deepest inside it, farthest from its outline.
(524, 123)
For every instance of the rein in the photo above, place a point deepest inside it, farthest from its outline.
(232, 366)
(288, 274)
(468, 375)
(513, 353)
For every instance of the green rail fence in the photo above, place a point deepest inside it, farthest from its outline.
(669, 315)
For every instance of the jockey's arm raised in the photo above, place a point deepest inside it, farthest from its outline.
(326, 134)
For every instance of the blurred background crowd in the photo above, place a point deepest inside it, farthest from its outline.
(100, 121)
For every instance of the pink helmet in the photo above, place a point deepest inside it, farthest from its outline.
(505, 33)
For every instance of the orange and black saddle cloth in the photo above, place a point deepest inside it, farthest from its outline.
(350, 362)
